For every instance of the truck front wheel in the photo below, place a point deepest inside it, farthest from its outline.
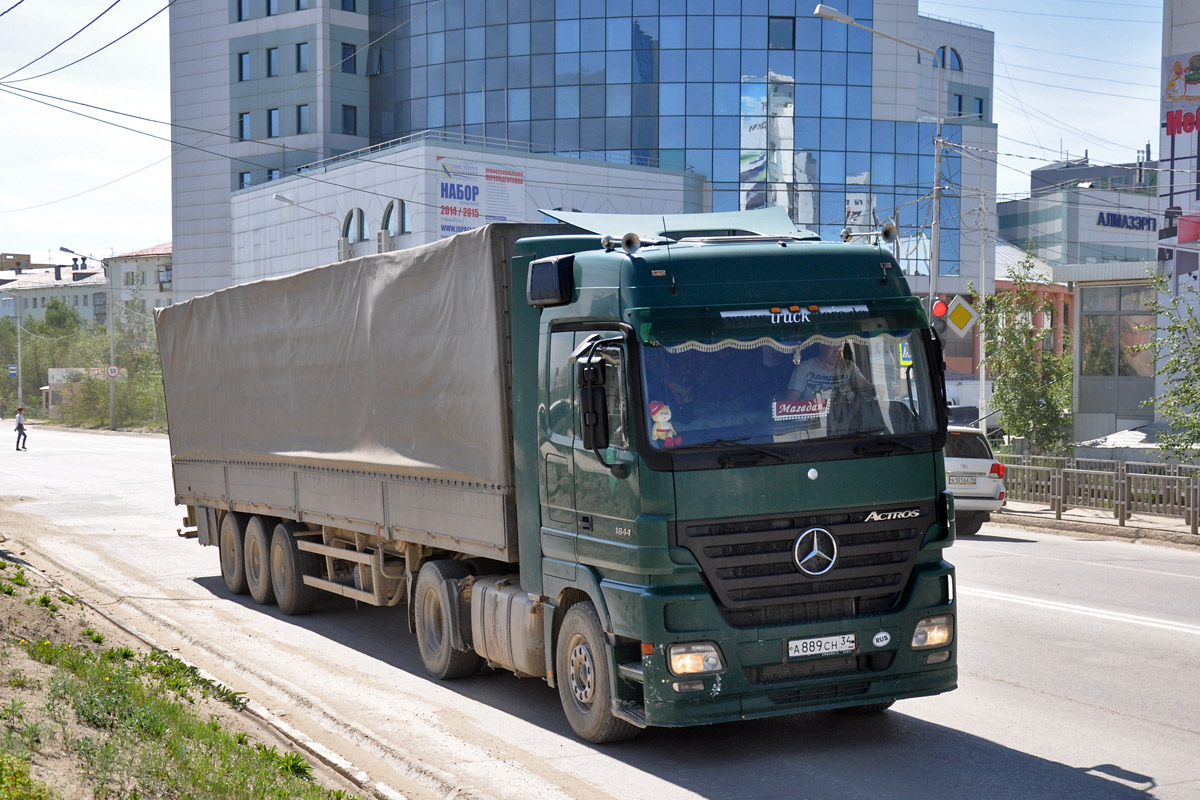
(258, 560)
(232, 543)
(435, 638)
(584, 680)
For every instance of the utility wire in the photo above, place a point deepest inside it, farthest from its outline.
(10, 8)
(60, 44)
(94, 52)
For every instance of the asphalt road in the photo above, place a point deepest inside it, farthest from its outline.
(1079, 662)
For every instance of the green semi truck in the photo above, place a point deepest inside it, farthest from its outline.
(688, 472)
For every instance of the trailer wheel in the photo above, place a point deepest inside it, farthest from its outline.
(258, 560)
(584, 682)
(435, 638)
(231, 544)
(289, 565)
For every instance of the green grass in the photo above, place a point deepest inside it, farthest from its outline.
(16, 783)
(142, 736)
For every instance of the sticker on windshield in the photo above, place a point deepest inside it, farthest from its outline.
(815, 408)
(905, 355)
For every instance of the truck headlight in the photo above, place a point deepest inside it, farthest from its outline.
(933, 632)
(694, 658)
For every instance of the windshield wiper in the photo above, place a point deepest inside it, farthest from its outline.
(883, 446)
(741, 443)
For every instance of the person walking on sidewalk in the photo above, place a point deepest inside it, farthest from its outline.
(20, 429)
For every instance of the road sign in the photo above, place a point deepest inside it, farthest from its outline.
(961, 317)
(112, 371)
(12, 370)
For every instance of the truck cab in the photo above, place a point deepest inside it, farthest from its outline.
(741, 508)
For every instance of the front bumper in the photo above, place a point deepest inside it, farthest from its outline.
(760, 680)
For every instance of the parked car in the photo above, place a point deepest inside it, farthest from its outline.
(974, 477)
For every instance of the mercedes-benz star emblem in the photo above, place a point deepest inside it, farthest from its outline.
(815, 552)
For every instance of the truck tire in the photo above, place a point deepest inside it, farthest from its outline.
(258, 559)
(583, 676)
(231, 544)
(289, 565)
(435, 639)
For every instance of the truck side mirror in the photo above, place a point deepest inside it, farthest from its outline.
(593, 415)
(593, 410)
(593, 405)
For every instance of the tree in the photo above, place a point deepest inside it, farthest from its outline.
(1031, 385)
(1176, 349)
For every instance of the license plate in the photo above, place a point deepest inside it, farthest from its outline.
(961, 480)
(821, 646)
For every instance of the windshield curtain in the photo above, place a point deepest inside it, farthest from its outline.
(764, 387)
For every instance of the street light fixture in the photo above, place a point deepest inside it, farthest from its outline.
(935, 247)
(289, 201)
(112, 339)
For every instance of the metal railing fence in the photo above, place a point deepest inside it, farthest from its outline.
(1122, 487)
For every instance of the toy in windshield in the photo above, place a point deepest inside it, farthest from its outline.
(662, 430)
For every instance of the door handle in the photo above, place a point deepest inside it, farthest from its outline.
(585, 522)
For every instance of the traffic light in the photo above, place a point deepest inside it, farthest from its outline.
(939, 317)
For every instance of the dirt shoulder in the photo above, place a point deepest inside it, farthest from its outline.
(34, 608)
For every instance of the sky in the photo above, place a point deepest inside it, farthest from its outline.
(1070, 76)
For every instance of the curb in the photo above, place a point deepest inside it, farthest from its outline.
(255, 709)
(1102, 530)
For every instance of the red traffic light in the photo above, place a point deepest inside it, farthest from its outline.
(940, 308)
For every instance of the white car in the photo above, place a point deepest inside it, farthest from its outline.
(974, 477)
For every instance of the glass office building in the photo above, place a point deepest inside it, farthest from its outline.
(771, 103)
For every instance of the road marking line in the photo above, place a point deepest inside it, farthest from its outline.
(1087, 611)
(969, 547)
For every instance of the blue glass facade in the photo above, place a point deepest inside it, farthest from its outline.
(769, 102)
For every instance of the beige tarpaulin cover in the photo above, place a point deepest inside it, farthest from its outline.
(389, 363)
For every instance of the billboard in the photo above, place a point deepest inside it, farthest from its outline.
(474, 193)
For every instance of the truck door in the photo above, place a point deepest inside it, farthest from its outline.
(607, 504)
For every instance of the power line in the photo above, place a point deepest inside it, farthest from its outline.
(94, 52)
(64, 41)
(10, 8)
(1123, 20)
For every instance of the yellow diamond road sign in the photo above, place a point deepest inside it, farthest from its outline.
(960, 316)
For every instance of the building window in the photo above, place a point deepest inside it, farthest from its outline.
(396, 219)
(243, 180)
(272, 123)
(243, 10)
(272, 62)
(272, 7)
(302, 119)
(350, 120)
(301, 5)
(958, 105)
(955, 60)
(243, 67)
(349, 5)
(243, 126)
(781, 33)
(354, 227)
(979, 108)
(348, 59)
(85, 301)
(1111, 332)
(302, 57)
(274, 174)
(130, 278)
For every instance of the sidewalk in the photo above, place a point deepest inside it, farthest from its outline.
(1098, 522)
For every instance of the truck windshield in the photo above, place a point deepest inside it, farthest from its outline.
(762, 387)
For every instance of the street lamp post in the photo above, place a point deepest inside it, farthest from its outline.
(112, 339)
(935, 247)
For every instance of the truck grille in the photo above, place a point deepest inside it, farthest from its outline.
(750, 566)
